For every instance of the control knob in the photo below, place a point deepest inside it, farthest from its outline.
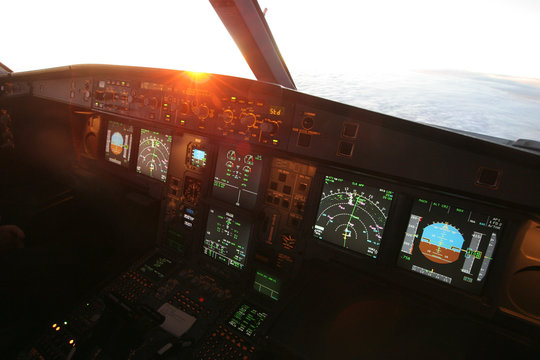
(227, 116)
(201, 111)
(269, 127)
(248, 119)
(154, 103)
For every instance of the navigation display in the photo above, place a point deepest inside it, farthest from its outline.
(154, 152)
(450, 244)
(118, 144)
(226, 238)
(352, 215)
(237, 177)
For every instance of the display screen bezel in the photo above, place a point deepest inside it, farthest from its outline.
(477, 287)
(246, 222)
(161, 132)
(365, 182)
(239, 200)
(134, 142)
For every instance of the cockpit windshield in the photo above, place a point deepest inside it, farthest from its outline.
(169, 34)
(464, 65)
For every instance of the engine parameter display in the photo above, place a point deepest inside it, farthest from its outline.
(237, 177)
(450, 244)
(226, 238)
(118, 143)
(154, 152)
(352, 215)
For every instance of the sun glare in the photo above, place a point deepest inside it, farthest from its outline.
(343, 36)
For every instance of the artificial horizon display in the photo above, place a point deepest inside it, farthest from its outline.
(118, 143)
(450, 244)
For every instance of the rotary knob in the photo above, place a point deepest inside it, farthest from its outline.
(184, 108)
(201, 111)
(269, 127)
(154, 103)
(227, 116)
(248, 119)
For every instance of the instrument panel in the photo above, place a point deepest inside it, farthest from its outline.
(252, 209)
(264, 190)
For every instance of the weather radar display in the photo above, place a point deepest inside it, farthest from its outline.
(154, 152)
(450, 244)
(118, 144)
(352, 215)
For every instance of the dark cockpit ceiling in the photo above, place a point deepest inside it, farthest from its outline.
(304, 212)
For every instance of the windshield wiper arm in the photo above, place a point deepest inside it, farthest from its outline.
(4, 69)
(246, 24)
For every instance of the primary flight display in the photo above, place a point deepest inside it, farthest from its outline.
(450, 244)
(118, 143)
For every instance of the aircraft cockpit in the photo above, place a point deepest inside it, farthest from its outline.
(182, 215)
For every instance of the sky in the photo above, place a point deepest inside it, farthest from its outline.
(492, 36)
(495, 36)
